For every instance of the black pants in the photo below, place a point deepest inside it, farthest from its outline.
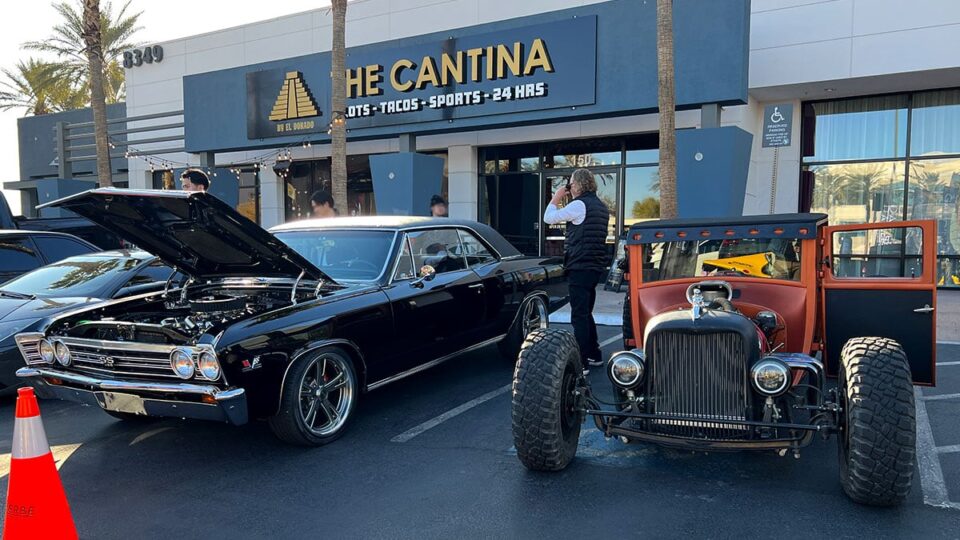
(583, 295)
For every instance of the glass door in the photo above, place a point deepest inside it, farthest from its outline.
(608, 190)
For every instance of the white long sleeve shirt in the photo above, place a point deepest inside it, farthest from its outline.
(575, 212)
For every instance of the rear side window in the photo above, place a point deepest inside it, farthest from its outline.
(18, 255)
(439, 248)
(55, 248)
(895, 252)
(476, 253)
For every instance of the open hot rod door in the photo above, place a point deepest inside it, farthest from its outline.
(879, 280)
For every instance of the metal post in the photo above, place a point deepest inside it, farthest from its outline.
(208, 159)
(710, 116)
(408, 142)
(64, 166)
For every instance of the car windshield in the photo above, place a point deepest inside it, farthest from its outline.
(344, 255)
(83, 275)
(773, 258)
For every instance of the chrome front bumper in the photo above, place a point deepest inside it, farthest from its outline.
(141, 397)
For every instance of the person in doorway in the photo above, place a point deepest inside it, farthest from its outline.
(585, 254)
(438, 206)
(194, 180)
(322, 204)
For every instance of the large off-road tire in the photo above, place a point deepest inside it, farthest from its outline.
(546, 422)
(317, 400)
(877, 436)
(533, 315)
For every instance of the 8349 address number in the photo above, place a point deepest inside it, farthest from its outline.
(146, 55)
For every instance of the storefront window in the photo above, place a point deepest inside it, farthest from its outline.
(865, 128)
(248, 202)
(859, 192)
(936, 123)
(641, 196)
(866, 189)
(934, 187)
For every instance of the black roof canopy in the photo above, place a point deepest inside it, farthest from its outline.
(761, 226)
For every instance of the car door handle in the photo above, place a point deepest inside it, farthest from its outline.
(476, 286)
(925, 309)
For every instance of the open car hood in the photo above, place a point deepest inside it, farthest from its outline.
(195, 232)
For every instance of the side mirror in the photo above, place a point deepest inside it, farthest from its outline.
(427, 273)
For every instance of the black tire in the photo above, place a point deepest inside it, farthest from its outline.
(877, 438)
(510, 345)
(546, 426)
(292, 424)
(626, 325)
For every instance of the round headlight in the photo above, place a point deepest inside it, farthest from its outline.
(770, 376)
(47, 352)
(62, 353)
(182, 363)
(626, 368)
(209, 367)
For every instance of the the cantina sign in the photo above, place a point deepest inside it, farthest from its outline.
(536, 67)
(478, 64)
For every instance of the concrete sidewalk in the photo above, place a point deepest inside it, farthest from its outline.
(609, 311)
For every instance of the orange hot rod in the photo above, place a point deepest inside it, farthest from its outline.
(735, 330)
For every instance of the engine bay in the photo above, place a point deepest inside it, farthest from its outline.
(176, 317)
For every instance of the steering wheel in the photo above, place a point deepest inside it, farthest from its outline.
(711, 290)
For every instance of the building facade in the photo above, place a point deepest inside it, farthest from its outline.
(853, 106)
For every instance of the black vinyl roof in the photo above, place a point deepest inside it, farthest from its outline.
(761, 226)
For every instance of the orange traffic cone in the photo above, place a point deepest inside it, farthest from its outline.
(36, 504)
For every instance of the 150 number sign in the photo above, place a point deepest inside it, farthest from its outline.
(146, 55)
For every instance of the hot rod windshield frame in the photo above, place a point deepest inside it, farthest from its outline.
(769, 258)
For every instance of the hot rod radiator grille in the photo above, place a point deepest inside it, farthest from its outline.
(700, 377)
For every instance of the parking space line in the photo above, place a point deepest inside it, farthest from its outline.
(931, 474)
(941, 364)
(606, 342)
(456, 411)
(948, 343)
(938, 397)
(948, 449)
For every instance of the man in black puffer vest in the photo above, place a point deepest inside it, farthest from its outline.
(585, 255)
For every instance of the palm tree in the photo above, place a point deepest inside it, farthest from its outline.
(666, 104)
(93, 39)
(67, 44)
(36, 87)
(338, 124)
(861, 180)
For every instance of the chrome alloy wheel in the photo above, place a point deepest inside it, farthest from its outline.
(534, 316)
(326, 394)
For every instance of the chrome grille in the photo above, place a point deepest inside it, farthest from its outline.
(701, 377)
(29, 345)
(118, 358)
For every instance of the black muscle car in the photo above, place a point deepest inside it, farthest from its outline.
(65, 286)
(291, 326)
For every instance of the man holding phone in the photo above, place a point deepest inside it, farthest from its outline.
(585, 254)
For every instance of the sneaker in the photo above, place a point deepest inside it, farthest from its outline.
(594, 363)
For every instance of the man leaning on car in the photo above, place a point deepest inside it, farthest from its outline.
(585, 255)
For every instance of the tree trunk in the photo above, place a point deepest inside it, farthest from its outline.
(338, 128)
(666, 104)
(94, 51)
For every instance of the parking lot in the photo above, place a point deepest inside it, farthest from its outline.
(431, 456)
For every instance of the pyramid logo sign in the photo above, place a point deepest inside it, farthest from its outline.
(294, 100)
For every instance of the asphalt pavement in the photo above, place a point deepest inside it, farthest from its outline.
(431, 457)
